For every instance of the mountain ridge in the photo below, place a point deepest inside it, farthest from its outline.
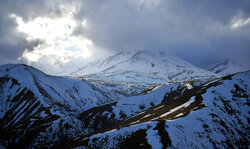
(225, 67)
(36, 107)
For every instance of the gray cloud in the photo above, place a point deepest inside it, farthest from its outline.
(198, 30)
(12, 43)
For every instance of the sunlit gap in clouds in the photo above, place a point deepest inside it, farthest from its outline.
(58, 45)
(241, 22)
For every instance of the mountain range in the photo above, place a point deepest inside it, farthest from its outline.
(134, 99)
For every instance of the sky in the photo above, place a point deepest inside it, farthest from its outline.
(60, 36)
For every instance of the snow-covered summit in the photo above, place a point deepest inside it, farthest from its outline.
(140, 61)
(226, 67)
(135, 71)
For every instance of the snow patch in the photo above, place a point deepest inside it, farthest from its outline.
(192, 99)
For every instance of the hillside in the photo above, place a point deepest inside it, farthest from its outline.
(35, 106)
(214, 114)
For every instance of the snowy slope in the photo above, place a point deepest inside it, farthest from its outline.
(35, 106)
(52, 90)
(226, 67)
(212, 115)
(102, 116)
(134, 71)
(106, 115)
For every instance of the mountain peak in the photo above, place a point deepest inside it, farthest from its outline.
(135, 71)
(226, 67)
(133, 60)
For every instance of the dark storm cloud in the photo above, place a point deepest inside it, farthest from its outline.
(12, 42)
(198, 30)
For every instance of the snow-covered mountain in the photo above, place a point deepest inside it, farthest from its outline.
(35, 106)
(42, 111)
(130, 72)
(213, 114)
(225, 67)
